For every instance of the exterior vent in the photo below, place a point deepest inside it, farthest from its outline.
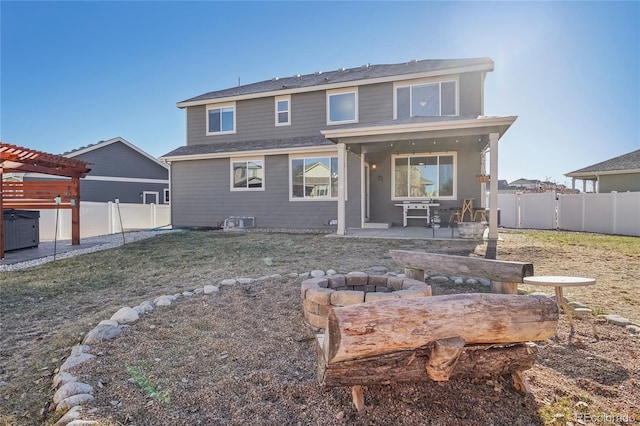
(239, 222)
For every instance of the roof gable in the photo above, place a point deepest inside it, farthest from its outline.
(364, 74)
(102, 144)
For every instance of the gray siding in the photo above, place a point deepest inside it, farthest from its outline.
(255, 118)
(383, 209)
(470, 93)
(201, 197)
(118, 160)
(621, 183)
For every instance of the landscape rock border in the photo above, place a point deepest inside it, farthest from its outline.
(76, 397)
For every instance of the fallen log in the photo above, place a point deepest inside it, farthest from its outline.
(408, 366)
(370, 329)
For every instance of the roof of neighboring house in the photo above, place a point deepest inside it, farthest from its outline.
(623, 163)
(257, 145)
(503, 185)
(102, 144)
(523, 181)
(362, 73)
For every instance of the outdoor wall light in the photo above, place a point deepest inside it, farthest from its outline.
(374, 166)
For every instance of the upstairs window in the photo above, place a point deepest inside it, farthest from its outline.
(423, 176)
(342, 106)
(424, 100)
(221, 119)
(283, 110)
(247, 175)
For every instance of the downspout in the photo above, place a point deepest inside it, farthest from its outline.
(342, 157)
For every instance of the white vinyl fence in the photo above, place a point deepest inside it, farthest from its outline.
(102, 219)
(609, 213)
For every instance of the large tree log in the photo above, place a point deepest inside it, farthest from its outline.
(364, 330)
(408, 366)
(495, 270)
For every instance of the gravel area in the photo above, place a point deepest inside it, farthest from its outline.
(98, 243)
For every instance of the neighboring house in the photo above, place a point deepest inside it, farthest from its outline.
(120, 170)
(526, 184)
(342, 146)
(620, 174)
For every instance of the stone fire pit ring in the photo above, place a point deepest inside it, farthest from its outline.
(321, 294)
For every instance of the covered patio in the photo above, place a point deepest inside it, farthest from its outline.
(40, 194)
(441, 161)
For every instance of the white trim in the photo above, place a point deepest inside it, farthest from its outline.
(366, 81)
(425, 81)
(102, 144)
(301, 150)
(220, 106)
(337, 92)
(602, 173)
(342, 184)
(480, 122)
(245, 160)
(144, 196)
(333, 154)
(454, 154)
(288, 111)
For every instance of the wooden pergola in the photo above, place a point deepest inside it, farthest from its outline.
(53, 194)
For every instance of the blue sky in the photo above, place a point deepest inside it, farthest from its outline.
(75, 73)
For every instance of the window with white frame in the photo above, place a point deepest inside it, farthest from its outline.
(166, 196)
(314, 177)
(247, 174)
(342, 106)
(426, 99)
(419, 176)
(283, 110)
(221, 118)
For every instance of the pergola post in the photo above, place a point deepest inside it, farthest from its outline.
(75, 211)
(1, 219)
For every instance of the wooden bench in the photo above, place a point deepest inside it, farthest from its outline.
(504, 275)
(433, 339)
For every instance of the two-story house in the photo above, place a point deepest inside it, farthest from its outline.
(343, 148)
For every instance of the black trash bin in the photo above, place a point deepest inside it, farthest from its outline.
(21, 229)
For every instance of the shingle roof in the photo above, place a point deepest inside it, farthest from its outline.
(630, 161)
(342, 75)
(223, 147)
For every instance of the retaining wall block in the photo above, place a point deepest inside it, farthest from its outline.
(321, 296)
(347, 297)
(357, 279)
(377, 297)
(337, 281)
(395, 283)
(306, 285)
(377, 280)
(310, 306)
(316, 320)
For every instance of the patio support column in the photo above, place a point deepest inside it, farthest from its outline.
(492, 243)
(342, 170)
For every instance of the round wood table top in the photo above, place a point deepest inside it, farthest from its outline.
(559, 281)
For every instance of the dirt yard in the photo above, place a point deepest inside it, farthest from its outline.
(245, 356)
